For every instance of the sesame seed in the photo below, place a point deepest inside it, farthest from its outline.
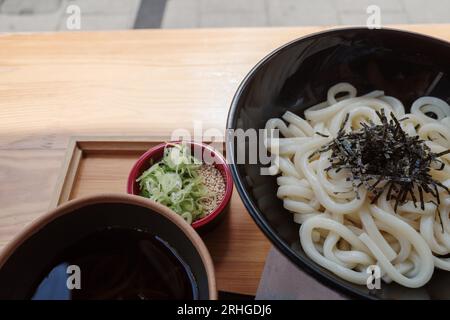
(215, 184)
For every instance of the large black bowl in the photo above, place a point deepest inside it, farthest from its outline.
(297, 76)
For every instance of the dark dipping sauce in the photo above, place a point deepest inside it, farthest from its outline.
(118, 264)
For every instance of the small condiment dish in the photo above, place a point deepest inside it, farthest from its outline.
(156, 153)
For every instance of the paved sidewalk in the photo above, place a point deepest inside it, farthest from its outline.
(231, 13)
(51, 15)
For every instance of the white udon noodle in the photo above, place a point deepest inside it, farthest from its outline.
(346, 234)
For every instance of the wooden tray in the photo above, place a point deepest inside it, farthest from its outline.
(101, 164)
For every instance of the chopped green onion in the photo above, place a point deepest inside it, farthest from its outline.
(175, 182)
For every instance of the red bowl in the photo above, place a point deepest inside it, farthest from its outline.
(156, 153)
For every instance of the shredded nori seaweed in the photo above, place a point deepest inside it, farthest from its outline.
(384, 157)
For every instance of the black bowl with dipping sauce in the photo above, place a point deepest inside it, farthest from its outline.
(107, 247)
(298, 75)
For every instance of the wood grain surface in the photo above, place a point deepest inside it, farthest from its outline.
(139, 82)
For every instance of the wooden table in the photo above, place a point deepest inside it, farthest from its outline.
(146, 82)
